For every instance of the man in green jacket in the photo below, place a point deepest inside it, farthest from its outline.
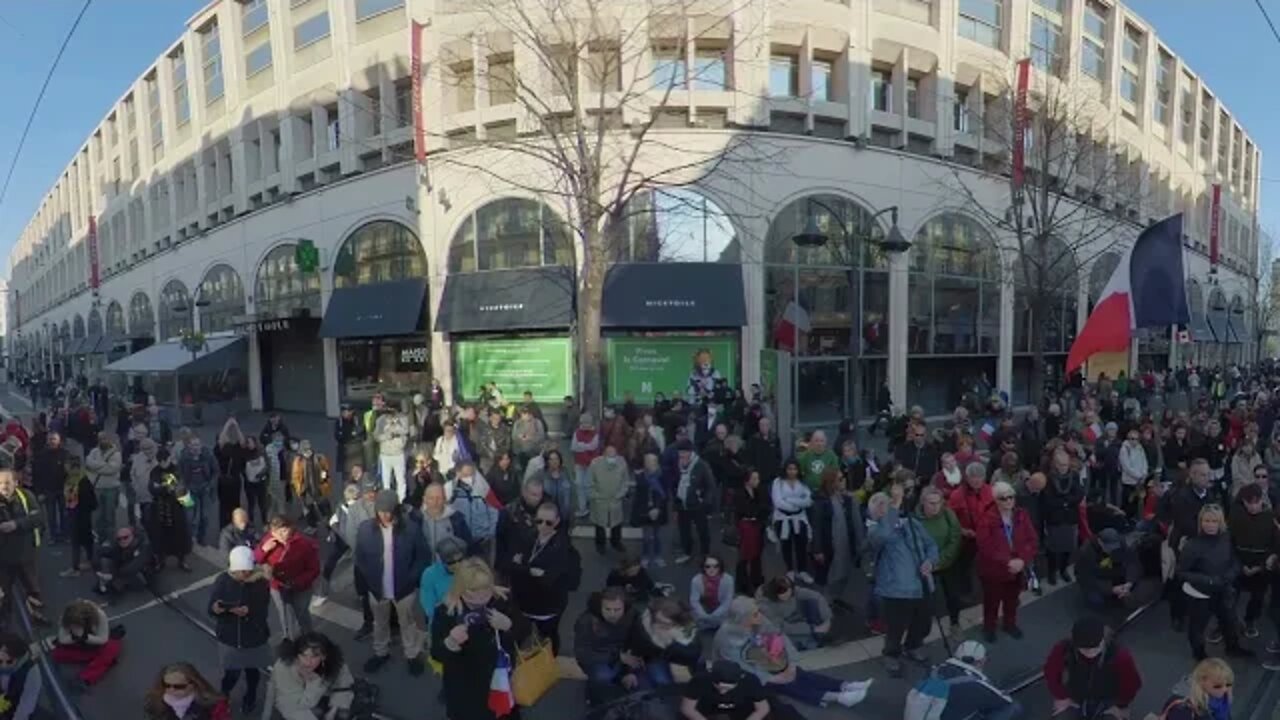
(815, 458)
(943, 526)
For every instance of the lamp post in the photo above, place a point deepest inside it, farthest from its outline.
(190, 309)
(893, 244)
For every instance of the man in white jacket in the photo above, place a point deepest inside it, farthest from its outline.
(102, 467)
(392, 432)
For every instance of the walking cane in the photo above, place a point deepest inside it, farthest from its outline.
(933, 587)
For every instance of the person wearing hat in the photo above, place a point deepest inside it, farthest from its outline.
(727, 692)
(169, 531)
(1089, 675)
(971, 695)
(391, 553)
(238, 605)
(1110, 575)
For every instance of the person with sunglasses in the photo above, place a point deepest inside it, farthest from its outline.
(1208, 569)
(1207, 696)
(180, 692)
(540, 576)
(710, 593)
(1007, 547)
(124, 563)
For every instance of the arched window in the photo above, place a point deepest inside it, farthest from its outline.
(1195, 299)
(818, 296)
(281, 288)
(377, 252)
(95, 323)
(221, 298)
(510, 233)
(142, 320)
(77, 329)
(955, 289)
(1103, 268)
(175, 310)
(115, 320)
(672, 225)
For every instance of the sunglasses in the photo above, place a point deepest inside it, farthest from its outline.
(1222, 686)
(1006, 497)
(176, 686)
(543, 521)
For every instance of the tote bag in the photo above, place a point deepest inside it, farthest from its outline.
(536, 672)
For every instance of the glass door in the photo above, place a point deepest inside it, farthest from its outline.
(821, 392)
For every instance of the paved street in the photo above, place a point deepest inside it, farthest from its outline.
(160, 632)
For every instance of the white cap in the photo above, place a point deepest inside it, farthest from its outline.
(241, 559)
(971, 649)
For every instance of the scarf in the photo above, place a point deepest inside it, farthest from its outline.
(178, 705)
(1220, 707)
(711, 591)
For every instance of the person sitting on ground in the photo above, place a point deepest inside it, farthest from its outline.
(1110, 574)
(180, 692)
(970, 694)
(20, 680)
(729, 693)
(125, 563)
(238, 533)
(1206, 696)
(600, 646)
(84, 638)
(801, 613)
(761, 649)
(310, 679)
(710, 592)
(634, 579)
(1089, 675)
(665, 634)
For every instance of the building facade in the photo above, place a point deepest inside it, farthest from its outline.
(258, 179)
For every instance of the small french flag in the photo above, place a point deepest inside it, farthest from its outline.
(501, 700)
(986, 431)
(1092, 433)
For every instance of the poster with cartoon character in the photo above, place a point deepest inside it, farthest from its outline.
(703, 376)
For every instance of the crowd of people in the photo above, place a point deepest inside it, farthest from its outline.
(457, 524)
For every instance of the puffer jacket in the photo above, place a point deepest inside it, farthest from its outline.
(232, 630)
(899, 546)
(944, 528)
(477, 505)
(597, 642)
(1209, 563)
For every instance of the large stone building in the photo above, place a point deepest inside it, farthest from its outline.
(271, 125)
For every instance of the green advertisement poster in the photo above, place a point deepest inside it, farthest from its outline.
(768, 371)
(543, 366)
(644, 366)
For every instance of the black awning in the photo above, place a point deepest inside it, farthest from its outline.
(525, 299)
(1235, 327)
(377, 310)
(1199, 329)
(674, 295)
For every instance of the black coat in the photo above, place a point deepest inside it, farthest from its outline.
(1209, 563)
(645, 499)
(410, 556)
(923, 461)
(232, 630)
(1062, 497)
(763, 455)
(350, 436)
(545, 594)
(1182, 512)
(820, 517)
(466, 674)
(49, 470)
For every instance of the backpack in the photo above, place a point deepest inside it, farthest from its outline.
(573, 578)
(928, 699)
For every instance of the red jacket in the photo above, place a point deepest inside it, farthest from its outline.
(1121, 668)
(995, 551)
(971, 506)
(295, 565)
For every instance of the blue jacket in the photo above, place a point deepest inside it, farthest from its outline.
(409, 553)
(899, 545)
(435, 584)
(198, 472)
(472, 503)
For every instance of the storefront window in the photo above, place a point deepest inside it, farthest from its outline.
(672, 225)
(510, 233)
(955, 274)
(281, 288)
(142, 320)
(115, 320)
(175, 310)
(396, 367)
(377, 252)
(221, 298)
(95, 323)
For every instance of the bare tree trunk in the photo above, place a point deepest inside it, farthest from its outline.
(590, 341)
(1035, 391)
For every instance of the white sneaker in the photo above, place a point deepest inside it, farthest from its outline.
(682, 559)
(317, 601)
(855, 686)
(850, 698)
(806, 578)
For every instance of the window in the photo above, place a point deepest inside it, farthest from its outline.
(1052, 5)
(281, 288)
(881, 90)
(1092, 59)
(1164, 90)
(820, 80)
(913, 98)
(784, 76)
(224, 293)
(709, 69)
(181, 100)
(258, 59)
(253, 15)
(1129, 85)
(310, 30)
(671, 225)
(211, 55)
(669, 69)
(334, 128)
(1046, 41)
(404, 102)
(502, 79)
(980, 21)
(377, 252)
(960, 111)
(1095, 19)
(1188, 113)
(155, 114)
(1206, 125)
(510, 233)
(366, 9)
(1133, 45)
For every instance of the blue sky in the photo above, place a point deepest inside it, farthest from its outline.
(1225, 41)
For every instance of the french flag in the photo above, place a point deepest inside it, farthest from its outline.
(794, 321)
(501, 700)
(986, 431)
(1147, 289)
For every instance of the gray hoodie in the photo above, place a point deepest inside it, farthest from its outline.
(740, 645)
(391, 432)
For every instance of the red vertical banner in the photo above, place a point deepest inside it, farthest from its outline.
(94, 279)
(1020, 124)
(415, 68)
(1215, 216)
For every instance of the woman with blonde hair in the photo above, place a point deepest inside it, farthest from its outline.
(1208, 568)
(1207, 697)
(474, 627)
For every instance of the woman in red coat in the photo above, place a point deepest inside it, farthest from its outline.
(293, 559)
(1007, 545)
(970, 501)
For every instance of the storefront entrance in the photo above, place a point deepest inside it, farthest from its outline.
(292, 359)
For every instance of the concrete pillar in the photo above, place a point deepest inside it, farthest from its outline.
(331, 390)
(1004, 347)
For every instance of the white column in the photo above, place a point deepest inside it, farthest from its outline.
(899, 297)
(255, 372)
(753, 334)
(1004, 347)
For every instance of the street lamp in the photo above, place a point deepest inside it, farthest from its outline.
(894, 243)
(189, 308)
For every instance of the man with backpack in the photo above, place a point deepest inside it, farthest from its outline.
(1089, 675)
(957, 689)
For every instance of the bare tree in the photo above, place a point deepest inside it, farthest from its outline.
(603, 120)
(1262, 301)
(1078, 192)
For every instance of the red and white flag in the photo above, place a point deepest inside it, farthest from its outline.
(794, 322)
(501, 699)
